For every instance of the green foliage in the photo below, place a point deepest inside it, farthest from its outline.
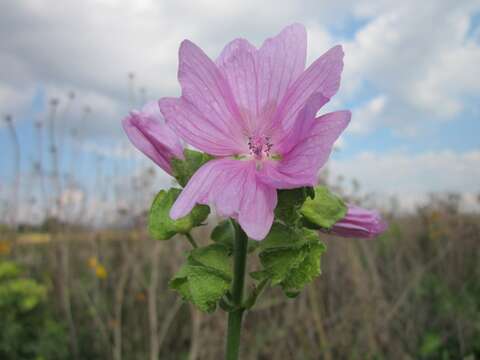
(8, 270)
(445, 303)
(324, 210)
(224, 234)
(290, 203)
(162, 227)
(205, 277)
(26, 329)
(290, 258)
(183, 170)
(431, 343)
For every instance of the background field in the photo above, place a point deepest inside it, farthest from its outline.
(413, 293)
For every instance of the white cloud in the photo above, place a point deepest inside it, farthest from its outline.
(368, 116)
(419, 56)
(415, 54)
(411, 177)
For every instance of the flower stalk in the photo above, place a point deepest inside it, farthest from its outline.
(236, 314)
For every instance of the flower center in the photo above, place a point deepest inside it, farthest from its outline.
(259, 147)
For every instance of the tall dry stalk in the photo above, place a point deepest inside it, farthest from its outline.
(60, 243)
(152, 302)
(16, 180)
(119, 298)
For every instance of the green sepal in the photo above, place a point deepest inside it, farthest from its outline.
(324, 210)
(290, 258)
(290, 202)
(224, 234)
(162, 227)
(183, 169)
(205, 277)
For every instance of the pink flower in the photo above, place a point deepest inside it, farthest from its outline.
(148, 131)
(255, 110)
(359, 223)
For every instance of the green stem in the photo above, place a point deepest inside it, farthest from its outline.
(191, 240)
(235, 316)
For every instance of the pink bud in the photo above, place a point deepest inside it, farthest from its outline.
(360, 223)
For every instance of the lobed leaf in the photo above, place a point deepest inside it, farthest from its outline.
(183, 170)
(324, 210)
(162, 227)
(290, 202)
(290, 258)
(206, 276)
(224, 234)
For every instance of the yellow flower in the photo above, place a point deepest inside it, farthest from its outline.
(92, 262)
(4, 248)
(101, 272)
(140, 297)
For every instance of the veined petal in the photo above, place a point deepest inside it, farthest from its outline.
(198, 130)
(257, 207)
(322, 76)
(260, 78)
(207, 102)
(281, 63)
(237, 63)
(313, 148)
(147, 130)
(286, 139)
(231, 186)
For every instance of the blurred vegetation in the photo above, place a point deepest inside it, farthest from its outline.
(413, 293)
(28, 329)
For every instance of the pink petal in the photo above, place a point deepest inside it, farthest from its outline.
(360, 223)
(237, 63)
(196, 129)
(286, 139)
(206, 113)
(257, 206)
(260, 79)
(313, 148)
(323, 76)
(147, 130)
(231, 186)
(305, 148)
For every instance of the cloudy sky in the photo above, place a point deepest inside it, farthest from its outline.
(411, 78)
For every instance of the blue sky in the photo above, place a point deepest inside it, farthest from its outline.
(411, 80)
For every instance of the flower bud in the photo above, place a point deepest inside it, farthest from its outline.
(150, 134)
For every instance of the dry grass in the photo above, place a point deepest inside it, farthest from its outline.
(412, 293)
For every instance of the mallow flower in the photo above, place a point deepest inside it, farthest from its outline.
(359, 223)
(255, 111)
(148, 131)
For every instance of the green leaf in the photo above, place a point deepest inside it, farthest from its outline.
(9, 270)
(205, 277)
(162, 227)
(183, 170)
(307, 270)
(215, 256)
(223, 234)
(324, 210)
(431, 343)
(180, 283)
(207, 286)
(290, 202)
(290, 258)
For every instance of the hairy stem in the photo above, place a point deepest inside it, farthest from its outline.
(235, 316)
